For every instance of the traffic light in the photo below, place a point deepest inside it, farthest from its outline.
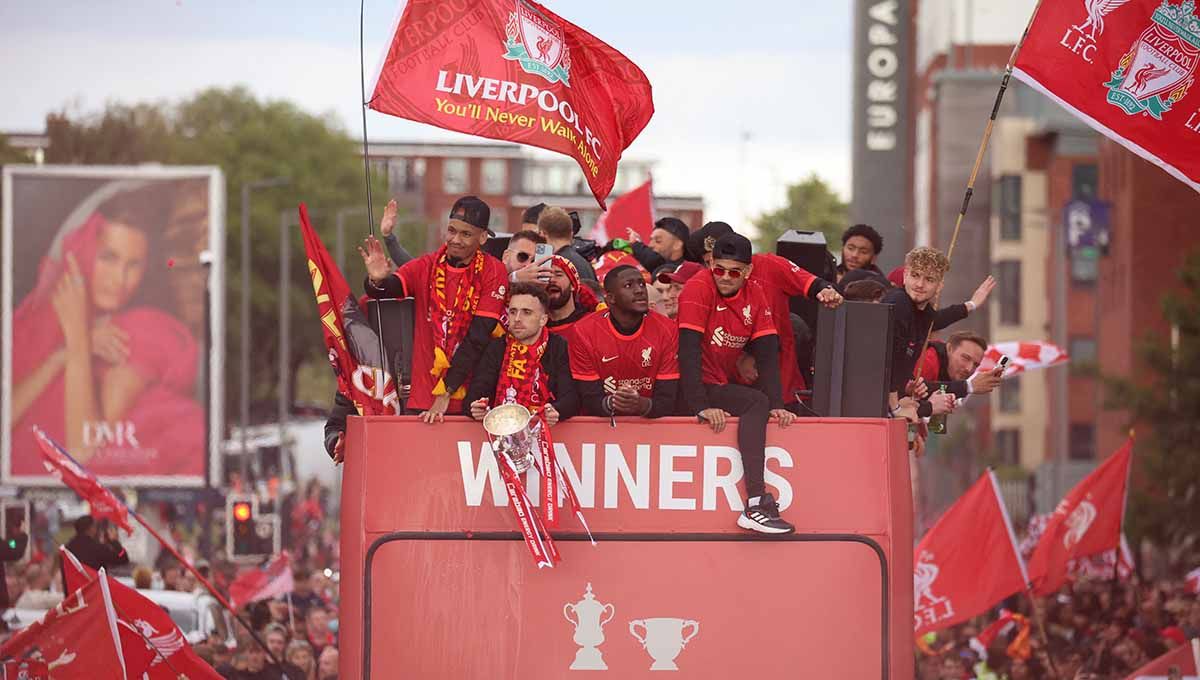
(249, 534)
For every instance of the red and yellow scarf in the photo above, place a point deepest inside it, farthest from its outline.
(522, 377)
(452, 317)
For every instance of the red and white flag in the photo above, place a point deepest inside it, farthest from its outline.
(514, 70)
(967, 562)
(263, 583)
(632, 210)
(1184, 657)
(65, 469)
(1003, 626)
(1192, 581)
(1126, 68)
(1086, 522)
(79, 639)
(143, 622)
(1023, 356)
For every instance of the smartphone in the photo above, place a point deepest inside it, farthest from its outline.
(543, 251)
(1003, 363)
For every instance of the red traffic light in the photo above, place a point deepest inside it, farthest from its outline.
(241, 511)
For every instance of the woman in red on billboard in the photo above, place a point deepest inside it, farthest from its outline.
(97, 367)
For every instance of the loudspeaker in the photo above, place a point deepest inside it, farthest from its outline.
(496, 245)
(853, 360)
(395, 318)
(806, 249)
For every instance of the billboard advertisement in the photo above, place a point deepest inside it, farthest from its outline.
(112, 301)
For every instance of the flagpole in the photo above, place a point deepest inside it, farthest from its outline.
(983, 145)
(1041, 624)
(1121, 527)
(291, 617)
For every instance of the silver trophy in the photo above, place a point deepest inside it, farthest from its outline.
(508, 428)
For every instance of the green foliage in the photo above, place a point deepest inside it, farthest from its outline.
(812, 205)
(9, 154)
(1163, 400)
(249, 140)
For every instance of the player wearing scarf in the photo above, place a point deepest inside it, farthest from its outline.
(528, 366)
(461, 291)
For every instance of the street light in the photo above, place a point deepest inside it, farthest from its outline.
(247, 187)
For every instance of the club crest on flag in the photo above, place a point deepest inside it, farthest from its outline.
(1158, 70)
(1096, 11)
(934, 607)
(1078, 523)
(538, 44)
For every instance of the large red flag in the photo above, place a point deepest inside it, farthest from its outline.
(1185, 657)
(78, 639)
(1126, 68)
(514, 70)
(263, 583)
(355, 356)
(143, 622)
(1086, 522)
(64, 468)
(967, 562)
(632, 210)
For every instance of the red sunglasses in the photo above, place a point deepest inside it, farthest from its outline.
(721, 271)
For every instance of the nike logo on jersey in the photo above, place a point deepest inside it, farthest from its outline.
(605, 360)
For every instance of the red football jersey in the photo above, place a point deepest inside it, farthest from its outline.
(726, 324)
(599, 352)
(416, 276)
(782, 280)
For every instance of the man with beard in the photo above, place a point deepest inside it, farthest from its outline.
(570, 300)
(668, 244)
(520, 258)
(861, 246)
(528, 366)
(461, 292)
(953, 363)
(721, 314)
(624, 359)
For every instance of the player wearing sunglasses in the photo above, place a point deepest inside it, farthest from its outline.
(520, 260)
(722, 314)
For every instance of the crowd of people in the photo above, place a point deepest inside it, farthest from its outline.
(692, 323)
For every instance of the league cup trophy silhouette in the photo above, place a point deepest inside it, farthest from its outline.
(664, 639)
(588, 633)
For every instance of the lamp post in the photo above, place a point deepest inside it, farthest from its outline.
(247, 187)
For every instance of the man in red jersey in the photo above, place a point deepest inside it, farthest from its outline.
(720, 315)
(624, 359)
(461, 291)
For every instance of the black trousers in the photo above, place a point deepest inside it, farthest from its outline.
(752, 410)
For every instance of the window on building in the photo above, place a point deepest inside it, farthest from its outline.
(1008, 284)
(1010, 207)
(1082, 350)
(1084, 180)
(454, 176)
(1082, 441)
(1010, 395)
(1008, 446)
(1085, 265)
(495, 176)
(498, 221)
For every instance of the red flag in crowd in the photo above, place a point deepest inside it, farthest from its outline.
(1023, 356)
(632, 210)
(514, 70)
(1193, 581)
(372, 389)
(1126, 69)
(967, 562)
(263, 583)
(78, 639)
(142, 621)
(1184, 657)
(64, 468)
(1086, 522)
(1018, 648)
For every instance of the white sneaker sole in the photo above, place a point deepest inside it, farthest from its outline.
(747, 523)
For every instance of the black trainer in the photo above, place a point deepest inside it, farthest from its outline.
(764, 518)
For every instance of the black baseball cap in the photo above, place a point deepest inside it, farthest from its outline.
(733, 246)
(675, 227)
(473, 211)
(698, 243)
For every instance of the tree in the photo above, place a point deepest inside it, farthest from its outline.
(812, 205)
(9, 154)
(1164, 400)
(249, 140)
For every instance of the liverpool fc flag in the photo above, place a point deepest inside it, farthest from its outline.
(1086, 522)
(967, 562)
(514, 70)
(1127, 68)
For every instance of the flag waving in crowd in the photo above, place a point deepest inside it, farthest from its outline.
(1086, 522)
(1127, 70)
(63, 467)
(1023, 356)
(263, 583)
(520, 73)
(968, 561)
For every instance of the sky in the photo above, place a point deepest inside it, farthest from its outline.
(749, 97)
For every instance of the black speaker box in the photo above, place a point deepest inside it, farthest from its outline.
(853, 360)
(393, 319)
